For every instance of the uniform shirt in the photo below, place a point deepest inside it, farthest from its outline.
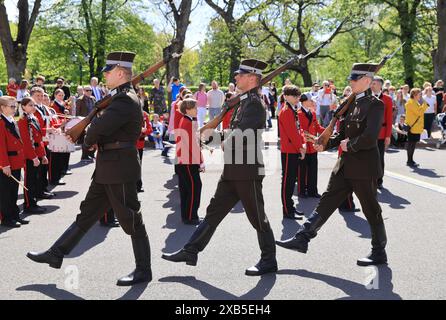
(188, 147)
(291, 140)
(386, 130)
(11, 146)
(146, 123)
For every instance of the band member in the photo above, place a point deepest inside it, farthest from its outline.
(356, 170)
(307, 173)
(84, 105)
(228, 116)
(35, 155)
(242, 176)
(62, 108)
(292, 147)
(12, 161)
(118, 168)
(43, 116)
(190, 162)
(146, 130)
(386, 130)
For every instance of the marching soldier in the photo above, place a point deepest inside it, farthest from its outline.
(356, 170)
(118, 168)
(292, 147)
(386, 129)
(242, 176)
(308, 165)
(11, 162)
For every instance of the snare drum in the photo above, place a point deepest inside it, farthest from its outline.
(58, 142)
(72, 122)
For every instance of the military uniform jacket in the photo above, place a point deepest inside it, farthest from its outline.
(242, 148)
(291, 140)
(11, 146)
(119, 122)
(361, 124)
(32, 137)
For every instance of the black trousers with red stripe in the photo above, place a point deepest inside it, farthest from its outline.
(44, 172)
(139, 182)
(290, 163)
(307, 174)
(56, 163)
(9, 190)
(348, 203)
(189, 182)
(33, 184)
(382, 152)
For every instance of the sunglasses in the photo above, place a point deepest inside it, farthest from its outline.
(88, 90)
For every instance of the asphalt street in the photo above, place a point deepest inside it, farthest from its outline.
(413, 208)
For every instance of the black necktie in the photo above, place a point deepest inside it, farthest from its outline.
(309, 115)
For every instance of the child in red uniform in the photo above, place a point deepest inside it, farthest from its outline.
(11, 162)
(35, 154)
(307, 173)
(146, 129)
(190, 162)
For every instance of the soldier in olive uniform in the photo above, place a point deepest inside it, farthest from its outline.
(118, 167)
(242, 176)
(356, 170)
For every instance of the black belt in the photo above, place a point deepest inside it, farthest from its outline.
(117, 145)
(12, 153)
(36, 144)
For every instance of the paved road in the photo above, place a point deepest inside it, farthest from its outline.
(413, 209)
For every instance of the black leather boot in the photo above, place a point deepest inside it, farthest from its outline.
(198, 241)
(268, 262)
(306, 232)
(143, 271)
(63, 246)
(378, 254)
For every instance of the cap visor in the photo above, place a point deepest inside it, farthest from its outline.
(355, 77)
(108, 67)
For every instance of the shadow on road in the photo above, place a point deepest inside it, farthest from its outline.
(430, 173)
(80, 164)
(357, 224)
(65, 194)
(208, 291)
(51, 291)
(394, 201)
(94, 236)
(134, 292)
(381, 289)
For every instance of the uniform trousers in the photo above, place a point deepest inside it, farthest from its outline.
(32, 183)
(382, 152)
(189, 183)
(290, 165)
(307, 174)
(9, 190)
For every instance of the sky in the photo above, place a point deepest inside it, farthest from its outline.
(196, 32)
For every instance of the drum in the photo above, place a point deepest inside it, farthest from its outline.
(58, 142)
(72, 122)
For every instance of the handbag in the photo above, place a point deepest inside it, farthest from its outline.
(406, 127)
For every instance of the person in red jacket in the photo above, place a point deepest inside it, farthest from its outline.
(146, 129)
(228, 116)
(35, 154)
(190, 162)
(11, 162)
(386, 130)
(292, 146)
(307, 172)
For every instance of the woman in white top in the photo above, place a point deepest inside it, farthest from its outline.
(400, 102)
(430, 112)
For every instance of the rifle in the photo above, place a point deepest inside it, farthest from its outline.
(76, 131)
(326, 134)
(231, 103)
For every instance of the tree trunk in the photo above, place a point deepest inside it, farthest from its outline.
(100, 48)
(306, 75)
(440, 54)
(16, 63)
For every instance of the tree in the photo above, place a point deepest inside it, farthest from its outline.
(235, 25)
(15, 50)
(289, 18)
(439, 54)
(178, 17)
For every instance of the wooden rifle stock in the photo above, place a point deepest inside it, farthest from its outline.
(76, 131)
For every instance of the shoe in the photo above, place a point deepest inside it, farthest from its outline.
(194, 222)
(50, 193)
(50, 256)
(61, 183)
(350, 210)
(412, 164)
(137, 276)
(294, 216)
(45, 195)
(69, 172)
(376, 257)
(314, 195)
(262, 267)
(380, 186)
(11, 224)
(113, 224)
(298, 243)
(22, 221)
(182, 256)
(141, 190)
(34, 210)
